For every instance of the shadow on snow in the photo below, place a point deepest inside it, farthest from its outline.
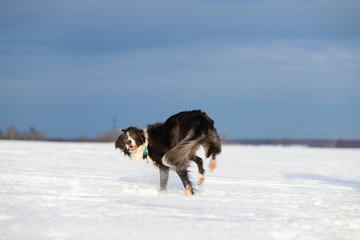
(324, 179)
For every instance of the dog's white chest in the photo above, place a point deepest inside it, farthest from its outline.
(138, 156)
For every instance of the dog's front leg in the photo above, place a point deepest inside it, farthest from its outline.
(164, 176)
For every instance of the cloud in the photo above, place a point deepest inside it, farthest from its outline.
(118, 26)
(304, 72)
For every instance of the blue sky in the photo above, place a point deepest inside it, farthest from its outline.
(261, 69)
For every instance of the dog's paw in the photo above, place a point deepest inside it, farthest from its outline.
(201, 179)
(212, 165)
(189, 190)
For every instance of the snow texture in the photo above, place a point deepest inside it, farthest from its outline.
(51, 190)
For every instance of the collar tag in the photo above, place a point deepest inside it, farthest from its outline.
(145, 154)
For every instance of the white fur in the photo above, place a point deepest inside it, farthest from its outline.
(130, 138)
(138, 154)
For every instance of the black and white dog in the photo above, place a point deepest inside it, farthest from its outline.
(173, 144)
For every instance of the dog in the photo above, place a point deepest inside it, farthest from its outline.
(173, 144)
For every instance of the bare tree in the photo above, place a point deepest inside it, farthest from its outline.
(35, 134)
(340, 143)
(286, 142)
(11, 133)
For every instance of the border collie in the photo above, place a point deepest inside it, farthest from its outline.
(172, 144)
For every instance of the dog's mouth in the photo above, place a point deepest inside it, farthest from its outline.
(132, 148)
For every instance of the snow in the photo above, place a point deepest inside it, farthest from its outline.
(51, 190)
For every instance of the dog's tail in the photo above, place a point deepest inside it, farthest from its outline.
(178, 157)
(202, 132)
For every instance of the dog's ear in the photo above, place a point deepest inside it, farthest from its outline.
(122, 130)
(119, 144)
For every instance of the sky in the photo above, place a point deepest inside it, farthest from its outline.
(259, 68)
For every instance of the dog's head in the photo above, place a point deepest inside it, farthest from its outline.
(130, 139)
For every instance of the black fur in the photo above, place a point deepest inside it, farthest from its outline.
(173, 144)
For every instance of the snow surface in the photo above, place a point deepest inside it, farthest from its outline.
(51, 190)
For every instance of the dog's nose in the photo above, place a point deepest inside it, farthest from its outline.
(128, 142)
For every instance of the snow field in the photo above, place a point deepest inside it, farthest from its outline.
(51, 190)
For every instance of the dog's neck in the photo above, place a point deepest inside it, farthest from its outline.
(138, 154)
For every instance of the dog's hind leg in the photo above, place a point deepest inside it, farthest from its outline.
(212, 163)
(164, 176)
(212, 146)
(183, 174)
(209, 150)
(199, 163)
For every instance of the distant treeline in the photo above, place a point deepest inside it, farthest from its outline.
(328, 143)
(13, 134)
(110, 136)
(33, 134)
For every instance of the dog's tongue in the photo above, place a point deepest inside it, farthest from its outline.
(132, 148)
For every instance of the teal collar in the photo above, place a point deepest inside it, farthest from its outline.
(145, 154)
